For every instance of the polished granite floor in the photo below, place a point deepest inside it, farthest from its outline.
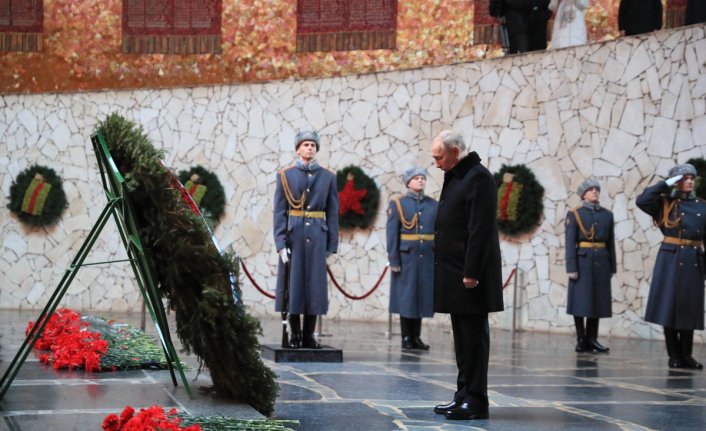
(536, 382)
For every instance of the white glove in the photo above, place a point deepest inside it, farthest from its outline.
(573, 275)
(396, 268)
(284, 254)
(328, 254)
(670, 182)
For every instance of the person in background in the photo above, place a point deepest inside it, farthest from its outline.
(410, 252)
(695, 12)
(539, 15)
(590, 263)
(676, 298)
(639, 16)
(467, 269)
(306, 233)
(513, 15)
(569, 23)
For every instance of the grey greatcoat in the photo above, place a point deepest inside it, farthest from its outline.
(589, 294)
(310, 239)
(411, 289)
(466, 242)
(676, 298)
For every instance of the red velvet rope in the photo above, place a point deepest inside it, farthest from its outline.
(252, 280)
(509, 277)
(349, 296)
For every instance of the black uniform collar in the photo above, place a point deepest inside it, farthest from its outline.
(465, 165)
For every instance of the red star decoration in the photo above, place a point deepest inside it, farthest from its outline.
(350, 198)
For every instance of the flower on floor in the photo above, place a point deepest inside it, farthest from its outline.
(156, 419)
(152, 418)
(72, 344)
(95, 344)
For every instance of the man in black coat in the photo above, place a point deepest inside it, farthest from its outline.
(639, 16)
(525, 22)
(467, 269)
(695, 12)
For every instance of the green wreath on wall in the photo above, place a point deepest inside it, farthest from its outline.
(700, 184)
(519, 200)
(206, 191)
(37, 197)
(358, 198)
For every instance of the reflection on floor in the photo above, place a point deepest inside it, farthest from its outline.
(536, 381)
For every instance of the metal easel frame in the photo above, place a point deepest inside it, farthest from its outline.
(120, 207)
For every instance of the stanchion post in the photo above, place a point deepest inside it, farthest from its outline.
(514, 299)
(389, 326)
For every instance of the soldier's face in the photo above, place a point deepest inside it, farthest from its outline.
(417, 183)
(592, 195)
(686, 184)
(307, 151)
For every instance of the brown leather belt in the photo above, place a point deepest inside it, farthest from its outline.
(307, 214)
(683, 242)
(586, 244)
(416, 237)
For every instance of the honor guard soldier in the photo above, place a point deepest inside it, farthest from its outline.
(590, 263)
(676, 299)
(410, 252)
(306, 233)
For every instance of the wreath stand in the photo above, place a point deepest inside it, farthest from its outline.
(120, 207)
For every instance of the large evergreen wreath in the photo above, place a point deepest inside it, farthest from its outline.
(191, 273)
(37, 197)
(519, 200)
(700, 186)
(206, 191)
(358, 198)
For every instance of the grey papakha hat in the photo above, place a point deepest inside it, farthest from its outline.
(589, 183)
(307, 135)
(413, 172)
(685, 169)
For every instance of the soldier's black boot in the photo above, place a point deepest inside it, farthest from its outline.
(295, 331)
(686, 339)
(406, 328)
(592, 335)
(309, 327)
(671, 338)
(580, 335)
(418, 343)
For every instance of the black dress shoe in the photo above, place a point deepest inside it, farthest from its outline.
(690, 362)
(581, 345)
(597, 347)
(419, 344)
(408, 343)
(465, 412)
(675, 363)
(295, 342)
(442, 409)
(310, 342)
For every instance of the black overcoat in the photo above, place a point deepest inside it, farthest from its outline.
(676, 298)
(639, 16)
(695, 12)
(589, 294)
(466, 241)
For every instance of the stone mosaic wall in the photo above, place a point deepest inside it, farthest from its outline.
(624, 111)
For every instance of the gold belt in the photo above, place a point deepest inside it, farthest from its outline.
(307, 214)
(585, 244)
(416, 237)
(684, 242)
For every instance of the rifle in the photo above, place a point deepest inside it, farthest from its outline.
(285, 300)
